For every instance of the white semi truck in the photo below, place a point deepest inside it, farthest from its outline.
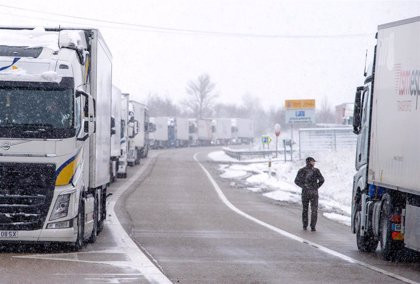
(139, 138)
(160, 137)
(55, 132)
(115, 131)
(386, 188)
(122, 161)
(204, 132)
(182, 132)
(222, 131)
(242, 130)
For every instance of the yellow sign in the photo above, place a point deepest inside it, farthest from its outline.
(299, 104)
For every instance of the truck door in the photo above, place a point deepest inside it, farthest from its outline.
(363, 137)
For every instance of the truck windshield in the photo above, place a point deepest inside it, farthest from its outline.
(36, 113)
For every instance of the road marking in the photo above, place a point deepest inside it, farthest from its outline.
(140, 261)
(292, 236)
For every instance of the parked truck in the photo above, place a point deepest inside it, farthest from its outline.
(115, 131)
(160, 138)
(122, 161)
(386, 188)
(222, 131)
(182, 132)
(204, 131)
(55, 132)
(242, 130)
(138, 146)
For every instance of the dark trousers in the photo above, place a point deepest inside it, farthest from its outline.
(309, 196)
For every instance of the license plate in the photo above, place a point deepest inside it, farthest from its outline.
(8, 234)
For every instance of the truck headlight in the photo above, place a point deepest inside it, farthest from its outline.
(61, 207)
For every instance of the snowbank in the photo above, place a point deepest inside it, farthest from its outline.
(334, 196)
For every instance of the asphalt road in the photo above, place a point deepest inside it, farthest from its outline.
(177, 217)
(180, 224)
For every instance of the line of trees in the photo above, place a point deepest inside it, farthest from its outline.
(201, 102)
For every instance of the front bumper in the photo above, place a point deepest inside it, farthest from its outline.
(43, 235)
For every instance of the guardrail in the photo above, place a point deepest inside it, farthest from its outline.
(239, 154)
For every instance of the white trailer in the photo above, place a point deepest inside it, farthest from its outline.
(222, 131)
(55, 132)
(115, 131)
(204, 131)
(386, 187)
(139, 142)
(244, 130)
(122, 161)
(160, 136)
(193, 132)
(182, 131)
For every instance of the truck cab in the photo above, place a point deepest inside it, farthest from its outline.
(51, 188)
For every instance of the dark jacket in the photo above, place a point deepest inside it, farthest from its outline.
(309, 178)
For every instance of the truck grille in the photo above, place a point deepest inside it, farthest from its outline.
(26, 191)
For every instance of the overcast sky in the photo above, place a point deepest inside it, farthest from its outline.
(273, 50)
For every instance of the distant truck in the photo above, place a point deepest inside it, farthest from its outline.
(182, 132)
(115, 131)
(242, 130)
(192, 132)
(386, 187)
(55, 132)
(160, 137)
(204, 132)
(139, 138)
(222, 131)
(122, 161)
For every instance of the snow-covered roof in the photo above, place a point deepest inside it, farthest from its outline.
(38, 37)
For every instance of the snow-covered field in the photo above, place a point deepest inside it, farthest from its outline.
(334, 196)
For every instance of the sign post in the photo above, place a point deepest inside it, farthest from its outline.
(277, 132)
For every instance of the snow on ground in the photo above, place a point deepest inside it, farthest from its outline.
(334, 196)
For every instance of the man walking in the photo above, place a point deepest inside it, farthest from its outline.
(309, 179)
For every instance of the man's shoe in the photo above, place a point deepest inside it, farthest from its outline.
(305, 228)
(313, 229)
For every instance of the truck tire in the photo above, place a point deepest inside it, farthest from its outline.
(94, 234)
(366, 243)
(103, 213)
(78, 244)
(389, 247)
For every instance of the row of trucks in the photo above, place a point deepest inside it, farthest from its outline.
(386, 187)
(65, 134)
(186, 132)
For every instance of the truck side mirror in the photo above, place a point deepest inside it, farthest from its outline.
(357, 112)
(86, 126)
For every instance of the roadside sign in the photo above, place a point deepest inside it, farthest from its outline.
(277, 129)
(300, 104)
(300, 111)
(265, 139)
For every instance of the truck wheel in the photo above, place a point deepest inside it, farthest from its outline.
(94, 234)
(78, 244)
(389, 247)
(366, 243)
(103, 213)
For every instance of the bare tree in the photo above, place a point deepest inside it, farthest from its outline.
(201, 96)
(161, 106)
